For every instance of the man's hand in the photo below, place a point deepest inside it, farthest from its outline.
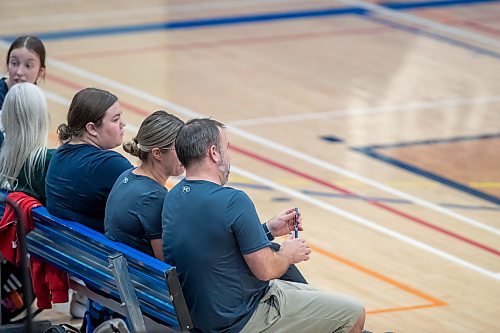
(282, 223)
(295, 250)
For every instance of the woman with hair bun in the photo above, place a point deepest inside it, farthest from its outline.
(84, 168)
(133, 209)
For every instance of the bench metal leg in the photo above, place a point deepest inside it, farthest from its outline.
(178, 300)
(118, 265)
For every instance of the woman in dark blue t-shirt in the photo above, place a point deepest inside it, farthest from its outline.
(83, 170)
(133, 210)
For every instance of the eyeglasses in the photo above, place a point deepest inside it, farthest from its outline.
(168, 148)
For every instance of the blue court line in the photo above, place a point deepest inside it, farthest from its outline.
(198, 23)
(437, 141)
(372, 152)
(231, 20)
(354, 197)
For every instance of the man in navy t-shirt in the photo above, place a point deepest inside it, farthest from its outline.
(227, 269)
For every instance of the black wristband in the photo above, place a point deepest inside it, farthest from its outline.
(270, 237)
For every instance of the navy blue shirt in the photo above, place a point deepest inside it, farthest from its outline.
(207, 229)
(3, 90)
(133, 211)
(79, 180)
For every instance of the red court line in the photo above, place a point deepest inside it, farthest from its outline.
(311, 178)
(229, 42)
(372, 202)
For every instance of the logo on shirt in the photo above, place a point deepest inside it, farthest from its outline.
(125, 180)
(186, 189)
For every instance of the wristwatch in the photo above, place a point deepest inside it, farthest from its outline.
(270, 237)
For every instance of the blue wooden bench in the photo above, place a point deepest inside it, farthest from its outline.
(136, 285)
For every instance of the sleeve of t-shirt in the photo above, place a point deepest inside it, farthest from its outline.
(111, 167)
(150, 214)
(246, 226)
(116, 164)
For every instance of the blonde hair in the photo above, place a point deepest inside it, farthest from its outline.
(158, 130)
(26, 122)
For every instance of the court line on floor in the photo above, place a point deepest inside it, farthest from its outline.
(434, 301)
(365, 198)
(20, 3)
(414, 106)
(384, 11)
(432, 35)
(373, 152)
(350, 216)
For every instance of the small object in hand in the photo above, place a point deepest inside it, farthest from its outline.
(296, 222)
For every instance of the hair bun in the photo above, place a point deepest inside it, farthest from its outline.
(64, 132)
(132, 147)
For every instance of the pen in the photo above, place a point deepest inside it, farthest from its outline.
(296, 223)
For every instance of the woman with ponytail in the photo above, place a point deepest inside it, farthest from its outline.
(133, 209)
(84, 168)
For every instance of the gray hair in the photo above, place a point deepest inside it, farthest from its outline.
(26, 121)
(195, 137)
(158, 130)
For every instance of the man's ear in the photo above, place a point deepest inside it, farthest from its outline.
(91, 128)
(213, 153)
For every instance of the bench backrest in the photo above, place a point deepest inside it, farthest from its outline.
(84, 253)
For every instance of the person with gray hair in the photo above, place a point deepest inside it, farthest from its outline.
(228, 271)
(24, 157)
(133, 209)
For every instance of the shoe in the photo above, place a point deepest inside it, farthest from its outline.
(115, 325)
(78, 305)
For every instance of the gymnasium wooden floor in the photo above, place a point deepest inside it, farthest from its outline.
(382, 124)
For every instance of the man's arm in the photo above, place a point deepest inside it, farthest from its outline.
(267, 264)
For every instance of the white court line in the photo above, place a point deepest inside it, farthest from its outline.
(368, 111)
(88, 16)
(265, 142)
(330, 208)
(436, 26)
(21, 3)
